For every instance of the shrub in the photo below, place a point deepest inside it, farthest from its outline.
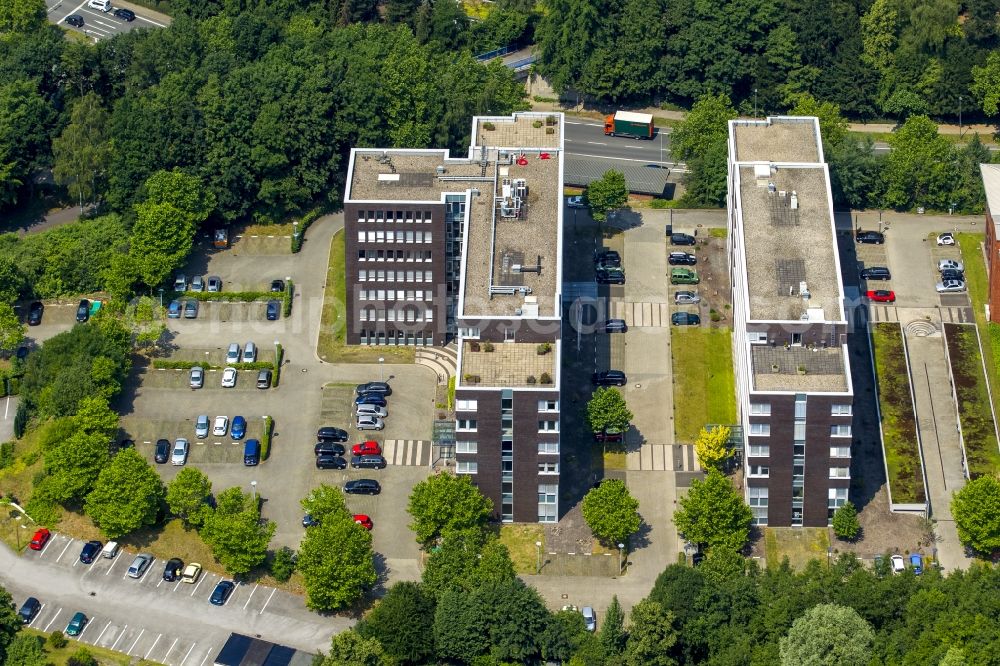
(21, 419)
(227, 296)
(57, 639)
(161, 364)
(81, 657)
(300, 234)
(544, 348)
(714, 315)
(472, 379)
(531, 379)
(279, 355)
(474, 346)
(550, 130)
(42, 510)
(286, 300)
(546, 378)
(6, 455)
(659, 203)
(283, 564)
(489, 127)
(845, 522)
(265, 439)
(488, 346)
(550, 120)
(536, 124)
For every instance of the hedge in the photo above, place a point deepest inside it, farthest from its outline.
(160, 364)
(279, 355)
(286, 300)
(224, 296)
(299, 236)
(265, 440)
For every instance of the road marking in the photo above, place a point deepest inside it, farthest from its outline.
(198, 584)
(87, 626)
(569, 122)
(177, 584)
(161, 25)
(170, 648)
(6, 408)
(102, 632)
(113, 563)
(267, 602)
(150, 650)
(598, 143)
(70, 543)
(120, 636)
(136, 641)
(40, 609)
(160, 583)
(210, 650)
(187, 655)
(679, 165)
(72, 12)
(41, 553)
(251, 596)
(53, 619)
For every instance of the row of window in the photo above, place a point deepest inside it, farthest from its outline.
(472, 467)
(395, 295)
(764, 451)
(466, 446)
(373, 216)
(473, 405)
(764, 409)
(548, 494)
(395, 276)
(472, 425)
(763, 472)
(757, 499)
(394, 237)
(395, 338)
(406, 314)
(764, 430)
(395, 255)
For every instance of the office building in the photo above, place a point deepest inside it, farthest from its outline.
(991, 184)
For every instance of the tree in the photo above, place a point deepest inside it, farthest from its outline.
(919, 170)
(446, 502)
(832, 126)
(608, 193)
(566, 36)
(651, 636)
(10, 623)
(986, 84)
(181, 191)
(161, 239)
(187, 496)
(348, 648)
(563, 636)
(11, 280)
(828, 634)
(337, 563)
(11, 328)
(237, 535)
(26, 650)
(845, 522)
(127, 495)
(976, 509)
(325, 502)
(403, 623)
(954, 657)
(613, 630)
(516, 619)
(714, 514)
(712, 447)
(283, 564)
(705, 126)
(74, 465)
(81, 152)
(21, 15)
(611, 512)
(24, 116)
(450, 563)
(607, 410)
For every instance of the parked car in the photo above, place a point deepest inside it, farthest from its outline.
(575, 202)
(950, 265)
(609, 436)
(685, 319)
(589, 619)
(329, 449)
(309, 521)
(370, 399)
(331, 434)
(947, 286)
(35, 311)
(201, 426)
(328, 461)
(682, 239)
(882, 296)
(683, 276)
(90, 550)
(76, 624)
(180, 282)
(229, 377)
(180, 453)
(126, 15)
(172, 569)
(363, 520)
(898, 563)
(198, 283)
(174, 310)
(264, 379)
(615, 326)
(100, 5)
(40, 538)
(233, 353)
(952, 274)
(191, 309)
(214, 284)
(191, 573)
(249, 352)
(876, 273)
(221, 426)
(362, 487)
(162, 451)
(139, 565)
(363, 422)
(251, 452)
(369, 448)
(869, 237)
(609, 276)
(75, 20)
(277, 286)
(917, 562)
(947, 238)
(83, 311)
(609, 378)
(273, 310)
(196, 378)
(29, 609)
(368, 462)
(607, 259)
(381, 388)
(686, 298)
(370, 410)
(238, 429)
(222, 592)
(681, 259)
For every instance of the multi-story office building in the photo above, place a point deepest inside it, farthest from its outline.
(469, 249)
(991, 185)
(793, 379)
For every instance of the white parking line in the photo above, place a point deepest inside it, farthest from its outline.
(187, 655)
(267, 602)
(210, 651)
(177, 584)
(120, 636)
(53, 619)
(64, 550)
(41, 553)
(72, 12)
(161, 25)
(132, 647)
(87, 626)
(102, 632)
(38, 614)
(251, 596)
(169, 649)
(198, 584)
(113, 563)
(152, 646)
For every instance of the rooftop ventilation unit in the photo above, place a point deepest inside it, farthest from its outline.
(804, 290)
(795, 201)
(441, 170)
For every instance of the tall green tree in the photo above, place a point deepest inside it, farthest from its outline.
(845, 522)
(828, 634)
(612, 633)
(651, 637)
(606, 410)
(348, 648)
(24, 117)
(127, 495)
(611, 512)
(986, 84)
(712, 447)
(237, 535)
(976, 509)
(446, 502)
(713, 513)
(706, 125)
(608, 193)
(26, 650)
(920, 168)
(187, 496)
(566, 36)
(325, 502)
(403, 623)
(11, 328)
(21, 16)
(82, 152)
(337, 563)
(10, 622)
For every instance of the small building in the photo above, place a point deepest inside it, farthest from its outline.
(991, 183)
(242, 650)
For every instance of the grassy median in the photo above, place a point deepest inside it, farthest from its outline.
(704, 384)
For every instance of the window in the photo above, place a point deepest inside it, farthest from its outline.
(840, 431)
(800, 406)
(837, 497)
(466, 467)
(840, 452)
(466, 447)
(799, 432)
(466, 425)
(840, 472)
(361, 237)
(548, 405)
(471, 333)
(757, 498)
(759, 451)
(840, 410)
(548, 506)
(754, 337)
(548, 468)
(466, 405)
(548, 426)
(760, 408)
(759, 471)
(760, 429)
(548, 447)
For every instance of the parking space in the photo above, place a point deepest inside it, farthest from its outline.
(230, 311)
(102, 25)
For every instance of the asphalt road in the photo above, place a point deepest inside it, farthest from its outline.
(97, 24)
(586, 138)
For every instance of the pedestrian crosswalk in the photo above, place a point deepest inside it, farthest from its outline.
(407, 451)
(641, 314)
(663, 457)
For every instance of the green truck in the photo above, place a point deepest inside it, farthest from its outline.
(627, 123)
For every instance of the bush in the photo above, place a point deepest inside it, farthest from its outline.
(265, 440)
(845, 522)
(58, 640)
(550, 130)
(283, 564)
(489, 127)
(161, 364)
(300, 234)
(286, 300)
(488, 346)
(545, 378)
(544, 348)
(81, 657)
(537, 124)
(42, 510)
(6, 455)
(472, 379)
(474, 346)
(21, 419)
(279, 355)
(227, 296)
(531, 379)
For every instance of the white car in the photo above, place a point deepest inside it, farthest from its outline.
(233, 354)
(371, 410)
(898, 564)
(589, 619)
(686, 298)
(575, 202)
(950, 286)
(221, 426)
(102, 5)
(950, 265)
(229, 378)
(363, 422)
(947, 238)
(180, 453)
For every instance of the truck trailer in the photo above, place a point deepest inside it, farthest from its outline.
(627, 123)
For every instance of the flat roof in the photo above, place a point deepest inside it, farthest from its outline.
(991, 183)
(777, 139)
(509, 364)
(799, 369)
(408, 175)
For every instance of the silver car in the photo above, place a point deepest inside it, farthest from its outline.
(233, 354)
(686, 298)
(947, 286)
(197, 283)
(179, 455)
(197, 377)
(368, 423)
(201, 426)
(371, 410)
(139, 565)
(950, 265)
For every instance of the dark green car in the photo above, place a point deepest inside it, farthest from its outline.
(683, 276)
(76, 625)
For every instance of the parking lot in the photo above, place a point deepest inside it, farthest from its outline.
(102, 25)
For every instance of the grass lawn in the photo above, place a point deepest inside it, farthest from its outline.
(974, 411)
(520, 541)
(718, 232)
(798, 544)
(614, 457)
(269, 230)
(704, 384)
(60, 656)
(331, 346)
(978, 285)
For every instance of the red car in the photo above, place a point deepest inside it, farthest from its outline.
(882, 296)
(40, 539)
(363, 520)
(366, 449)
(609, 436)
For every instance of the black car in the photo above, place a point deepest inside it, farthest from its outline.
(607, 258)
(876, 273)
(610, 277)
(172, 569)
(363, 487)
(368, 462)
(35, 313)
(682, 239)
(329, 449)
(162, 450)
(609, 378)
(380, 388)
(615, 326)
(116, 447)
(952, 274)
(277, 285)
(125, 14)
(90, 551)
(273, 310)
(869, 237)
(83, 311)
(221, 592)
(681, 259)
(684, 319)
(331, 434)
(371, 399)
(29, 609)
(327, 461)
(75, 20)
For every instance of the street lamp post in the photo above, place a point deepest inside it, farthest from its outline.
(621, 547)
(538, 557)
(959, 116)
(754, 102)
(161, 297)
(381, 376)
(253, 489)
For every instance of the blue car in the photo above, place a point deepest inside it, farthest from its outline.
(370, 399)
(90, 551)
(917, 562)
(174, 310)
(221, 593)
(239, 427)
